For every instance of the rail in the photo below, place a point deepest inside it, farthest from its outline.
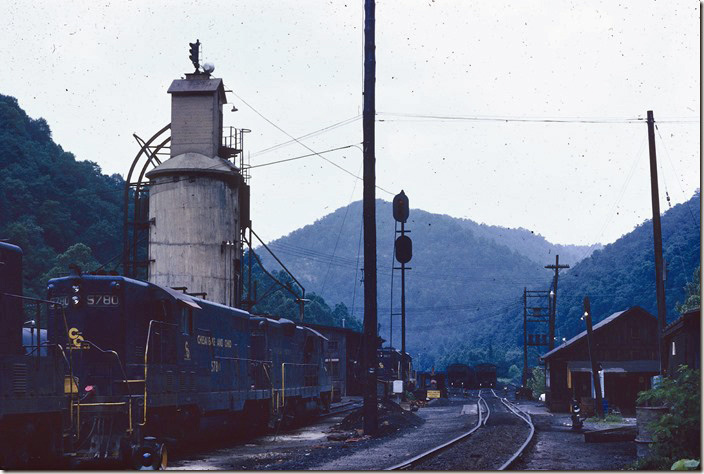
(523, 416)
(414, 461)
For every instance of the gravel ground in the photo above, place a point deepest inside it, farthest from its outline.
(442, 423)
(488, 448)
(308, 447)
(556, 447)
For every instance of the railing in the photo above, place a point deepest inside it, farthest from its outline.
(306, 372)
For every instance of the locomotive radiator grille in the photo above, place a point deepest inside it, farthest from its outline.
(169, 380)
(19, 378)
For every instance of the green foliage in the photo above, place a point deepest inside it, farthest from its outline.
(537, 382)
(693, 294)
(609, 418)
(463, 295)
(276, 300)
(514, 373)
(685, 465)
(677, 433)
(49, 201)
(78, 254)
(622, 274)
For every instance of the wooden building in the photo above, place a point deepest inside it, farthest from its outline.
(626, 346)
(683, 342)
(343, 359)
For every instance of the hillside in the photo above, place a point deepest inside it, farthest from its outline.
(532, 245)
(622, 274)
(49, 201)
(464, 292)
(458, 278)
(619, 276)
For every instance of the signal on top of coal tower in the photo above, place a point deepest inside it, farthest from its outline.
(400, 207)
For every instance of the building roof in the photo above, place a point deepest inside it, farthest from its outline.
(198, 86)
(194, 163)
(693, 315)
(604, 322)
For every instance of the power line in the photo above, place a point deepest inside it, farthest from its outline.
(301, 156)
(339, 233)
(308, 135)
(304, 145)
(679, 180)
(489, 118)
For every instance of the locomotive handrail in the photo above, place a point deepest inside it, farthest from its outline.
(146, 364)
(283, 377)
(127, 385)
(37, 300)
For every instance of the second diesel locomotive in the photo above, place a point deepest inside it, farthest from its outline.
(149, 363)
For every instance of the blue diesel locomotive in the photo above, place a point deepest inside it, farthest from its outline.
(31, 374)
(149, 363)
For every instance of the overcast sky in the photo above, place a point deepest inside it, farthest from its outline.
(98, 72)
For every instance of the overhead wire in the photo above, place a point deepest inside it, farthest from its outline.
(490, 118)
(304, 145)
(307, 135)
(679, 180)
(339, 233)
(622, 191)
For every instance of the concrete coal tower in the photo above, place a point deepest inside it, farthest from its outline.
(194, 208)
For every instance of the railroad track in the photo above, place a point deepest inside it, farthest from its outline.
(472, 452)
(341, 408)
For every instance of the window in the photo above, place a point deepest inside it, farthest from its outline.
(674, 352)
(187, 321)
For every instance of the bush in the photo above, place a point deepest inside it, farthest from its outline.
(676, 434)
(537, 382)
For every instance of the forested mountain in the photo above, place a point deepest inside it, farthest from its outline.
(528, 243)
(464, 292)
(622, 274)
(49, 201)
(463, 278)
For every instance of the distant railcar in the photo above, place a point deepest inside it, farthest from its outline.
(151, 363)
(486, 375)
(462, 376)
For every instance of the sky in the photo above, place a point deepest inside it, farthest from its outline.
(518, 114)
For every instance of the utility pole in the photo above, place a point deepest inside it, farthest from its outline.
(595, 369)
(525, 338)
(657, 239)
(553, 300)
(369, 219)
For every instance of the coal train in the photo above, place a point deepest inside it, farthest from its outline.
(462, 376)
(131, 364)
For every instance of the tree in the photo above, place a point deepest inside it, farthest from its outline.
(677, 433)
(514, 373)
(693, 299)
(537, 382)
(78, 254)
